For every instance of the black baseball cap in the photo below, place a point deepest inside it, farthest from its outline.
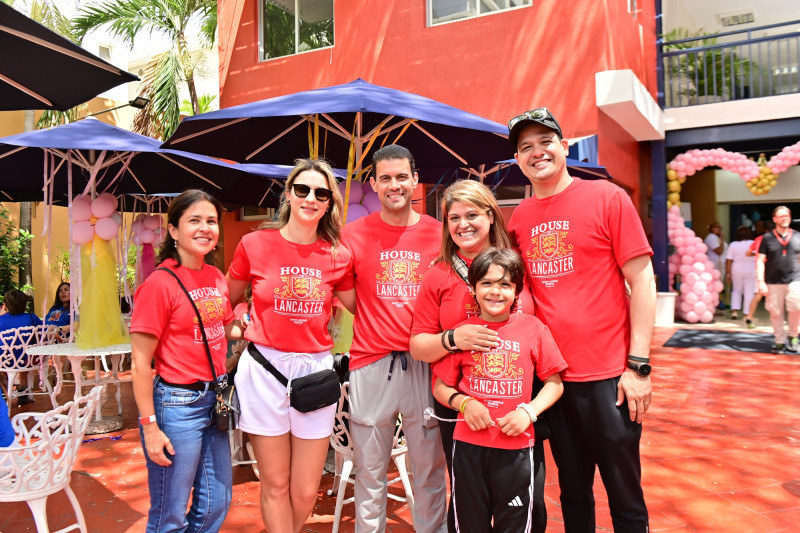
(540, 115)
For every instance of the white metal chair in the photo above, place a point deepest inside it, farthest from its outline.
(342, 443)
(39, 462)
(14, 360)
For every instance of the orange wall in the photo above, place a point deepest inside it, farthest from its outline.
(495, 65)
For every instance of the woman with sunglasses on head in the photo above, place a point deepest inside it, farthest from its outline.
(188, 457)
(472, 223)
(295, 266)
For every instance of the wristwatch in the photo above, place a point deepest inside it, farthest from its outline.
(642, 369)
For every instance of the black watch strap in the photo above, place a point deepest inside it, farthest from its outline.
(639, 359)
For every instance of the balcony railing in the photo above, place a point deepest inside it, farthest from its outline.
(736, 65)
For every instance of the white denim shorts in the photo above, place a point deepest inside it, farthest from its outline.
(264, 403)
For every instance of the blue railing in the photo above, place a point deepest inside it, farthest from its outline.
(735, 65)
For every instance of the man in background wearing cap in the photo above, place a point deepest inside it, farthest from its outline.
(581, 241)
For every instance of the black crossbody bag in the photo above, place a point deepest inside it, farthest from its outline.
(226, 409)
(307, 393)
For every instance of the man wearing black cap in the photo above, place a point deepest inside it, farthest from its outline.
(581, 241)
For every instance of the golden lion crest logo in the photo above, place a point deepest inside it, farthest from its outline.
(300, 287)
(495, 365)
(399, 271)
(549, 245)
(211, 310)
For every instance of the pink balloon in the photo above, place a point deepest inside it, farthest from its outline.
(102, 207)
(136, 226)
(111, 197)
(152, 222)
(677, 241)
(691, 278)
(685, 269)
(707, 317)
(355, 211)
(106, 228)
(82, 232)
(699, 287)
(135, 239)
(81, 209)
(698, 266)
(707, 297)
(356, 191)
(706, 277)
(700, 308)
(692, 298)
(687, 259)
(118, 217)
(701, 248)
(140, 217)
(685, 307)
(371, 202)
(717, 286)
(690, 250)
(147, 236)
(692, 317)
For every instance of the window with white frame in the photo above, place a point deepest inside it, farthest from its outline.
(440, 11)
(291, 27)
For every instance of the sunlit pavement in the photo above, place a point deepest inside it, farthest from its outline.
(720, 452)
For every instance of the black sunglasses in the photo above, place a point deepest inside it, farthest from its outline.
(320, 193)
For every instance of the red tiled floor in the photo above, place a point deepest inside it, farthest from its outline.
(720, 452)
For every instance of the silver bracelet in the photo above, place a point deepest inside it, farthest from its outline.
(528, 409)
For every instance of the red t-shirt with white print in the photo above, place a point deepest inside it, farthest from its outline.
(389, 263)
(502, 378)
(162, 309)
(293, 287)
(574, 244)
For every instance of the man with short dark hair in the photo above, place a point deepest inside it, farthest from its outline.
(581, 242)
(392, 249)
(778, 278)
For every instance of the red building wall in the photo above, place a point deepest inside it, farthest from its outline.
(495, 66)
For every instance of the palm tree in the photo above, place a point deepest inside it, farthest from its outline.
(125, 19)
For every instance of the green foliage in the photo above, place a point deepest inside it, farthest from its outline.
(12, 242)
(205, 101)
(712, 72)
(279, 32)
(131, 19)
(60, 263)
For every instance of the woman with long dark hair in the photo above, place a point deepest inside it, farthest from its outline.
(188, 458)
(295, 266)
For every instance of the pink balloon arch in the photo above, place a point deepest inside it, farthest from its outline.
(363, 200)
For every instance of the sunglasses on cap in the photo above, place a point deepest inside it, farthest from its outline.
(540, 115)
(320, 193)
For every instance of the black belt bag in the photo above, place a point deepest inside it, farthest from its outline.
(307, 393)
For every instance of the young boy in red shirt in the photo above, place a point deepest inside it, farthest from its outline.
(492, 475)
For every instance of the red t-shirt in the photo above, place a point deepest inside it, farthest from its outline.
(293, 287)
(503, 378)
(161, 308)
(389, 263)
(574, 244)
(445, 300)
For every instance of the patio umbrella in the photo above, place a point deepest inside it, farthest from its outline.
(507, 172)
(352, 119)
(40, 69)
(37, 164)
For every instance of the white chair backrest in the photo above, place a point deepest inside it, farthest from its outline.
(41, 459)
(341, 441)
(14, 342)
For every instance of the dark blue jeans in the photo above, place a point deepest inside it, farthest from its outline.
(200, 469)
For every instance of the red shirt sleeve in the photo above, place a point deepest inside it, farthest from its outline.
(240, 264)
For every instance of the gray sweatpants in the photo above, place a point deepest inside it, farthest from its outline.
(375, 402)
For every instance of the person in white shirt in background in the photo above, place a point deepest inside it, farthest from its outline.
(740, 271)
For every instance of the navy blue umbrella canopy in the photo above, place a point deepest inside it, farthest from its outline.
(276, 130)
(507, 173)
(36, 163)
(40, 69)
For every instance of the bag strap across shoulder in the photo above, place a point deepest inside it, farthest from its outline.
(217, 386)
(261, 360)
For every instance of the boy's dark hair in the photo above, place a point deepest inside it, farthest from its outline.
(507, 259)
(392, 151)
(16, 301)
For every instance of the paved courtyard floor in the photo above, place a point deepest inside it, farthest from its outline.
(720, 452)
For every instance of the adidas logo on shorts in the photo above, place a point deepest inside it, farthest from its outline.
(516, 502)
